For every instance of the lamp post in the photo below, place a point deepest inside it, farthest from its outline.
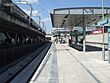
(22, 2)
(103, 46)
(43, 25)
(39, 19)
(30, 15)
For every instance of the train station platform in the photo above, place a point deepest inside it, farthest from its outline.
(64, 64)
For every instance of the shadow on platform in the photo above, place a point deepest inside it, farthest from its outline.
(88, 48)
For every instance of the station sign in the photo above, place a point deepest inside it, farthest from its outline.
(102, 22)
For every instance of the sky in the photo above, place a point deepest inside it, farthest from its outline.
(43, 8)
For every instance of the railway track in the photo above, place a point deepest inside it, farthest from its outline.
(25, 67)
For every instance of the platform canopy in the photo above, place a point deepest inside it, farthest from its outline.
(78, 17)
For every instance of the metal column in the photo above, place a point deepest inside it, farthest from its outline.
(103, 46)
(108, 45)
(84, 39)
(109, 56)
(84, 33)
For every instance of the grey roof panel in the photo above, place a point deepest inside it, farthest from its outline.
(66, 17)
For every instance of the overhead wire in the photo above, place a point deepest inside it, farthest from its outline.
(43, 8)
(45, 11)
(53, 4)
(45, 4)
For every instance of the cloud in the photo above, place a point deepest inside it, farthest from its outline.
(34, 12)
(31, 1)
(46, 20)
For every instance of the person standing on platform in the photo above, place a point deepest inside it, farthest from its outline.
(56, 40)
(70, 41)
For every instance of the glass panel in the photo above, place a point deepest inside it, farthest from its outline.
(61, 12)
(76, 11)
(99, 11)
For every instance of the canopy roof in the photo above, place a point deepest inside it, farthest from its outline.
(78, 17)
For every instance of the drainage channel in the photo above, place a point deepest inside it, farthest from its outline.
(54, 78)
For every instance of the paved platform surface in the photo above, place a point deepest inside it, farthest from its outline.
(67, 65)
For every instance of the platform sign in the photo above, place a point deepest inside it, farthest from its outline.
(109, 38)
(102, 22)
(109, 45)
(108, 30)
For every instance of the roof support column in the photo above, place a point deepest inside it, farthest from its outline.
(84, 33)
(84, 39)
